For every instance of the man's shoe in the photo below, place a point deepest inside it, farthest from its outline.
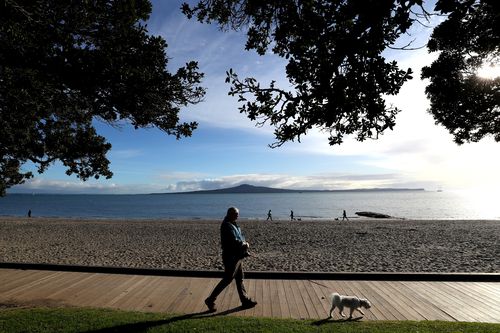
(211, 305)
(249, 303)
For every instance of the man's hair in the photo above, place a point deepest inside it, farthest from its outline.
(232, 210)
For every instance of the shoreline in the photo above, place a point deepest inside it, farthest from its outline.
(240, 219)
(360, 245)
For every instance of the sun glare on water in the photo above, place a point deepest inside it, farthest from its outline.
(483, 201)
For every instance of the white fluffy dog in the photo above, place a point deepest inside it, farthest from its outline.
(352, 302)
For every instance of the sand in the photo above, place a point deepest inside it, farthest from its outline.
(360, 245)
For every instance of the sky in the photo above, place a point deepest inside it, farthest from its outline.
(228, 149)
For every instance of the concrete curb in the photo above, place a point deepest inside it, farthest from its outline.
(370, 276)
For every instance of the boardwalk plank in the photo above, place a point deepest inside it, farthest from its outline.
(285, 311)
(69, 281)
(165, 293)
(306, 299)
(394, 302)
(421, 294)
(13, 278)
(259, 295)
(322, 297)
(457, 300)
(250, 287)
(106, 287)
(197, 294)
(314, 300)
(125, 285)
(491, 287)
(181, 303)
(274, 297)
(48, 286)
(380, 308)
(136, 297)
(32, 285)
(73, 288)
(266, 299)
(406, 305)
(374, 312)
(475, 292)
(177, 292)
(122, 298)
(421, 304)
(437, 304)
(145, 302)
(386, 298)
(290, 297)
(303, 313)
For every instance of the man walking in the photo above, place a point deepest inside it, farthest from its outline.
(234, 249)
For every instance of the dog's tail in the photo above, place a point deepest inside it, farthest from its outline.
(335, 298)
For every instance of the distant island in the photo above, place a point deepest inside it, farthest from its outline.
(246, 188)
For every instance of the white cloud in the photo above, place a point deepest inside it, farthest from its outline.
(55, 186)
(326, 181)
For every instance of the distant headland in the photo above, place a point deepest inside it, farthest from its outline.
(246, 188)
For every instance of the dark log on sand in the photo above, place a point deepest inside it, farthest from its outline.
(374, 215)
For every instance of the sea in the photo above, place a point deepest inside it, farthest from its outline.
(434, 205)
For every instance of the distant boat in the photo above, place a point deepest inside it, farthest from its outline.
(440, 189)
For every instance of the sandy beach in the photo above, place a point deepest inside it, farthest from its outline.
(360, 245)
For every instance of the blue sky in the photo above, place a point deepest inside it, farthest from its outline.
(227, 149)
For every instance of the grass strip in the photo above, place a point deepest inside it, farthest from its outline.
(103, 321)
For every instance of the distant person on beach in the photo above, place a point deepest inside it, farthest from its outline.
(344, 216)
(29, 213)
(291, 216)
(234, 250)
(269, 216)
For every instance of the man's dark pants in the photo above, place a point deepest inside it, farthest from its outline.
(232, 270)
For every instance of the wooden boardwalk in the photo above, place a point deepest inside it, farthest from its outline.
(391, 300)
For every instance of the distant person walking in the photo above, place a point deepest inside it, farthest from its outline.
(269, 216)
(291, 216)
(344, 216)
(234, 250)
(29, 213)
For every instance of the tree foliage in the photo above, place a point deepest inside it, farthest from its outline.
(335, 62)
(339, 76)
(65, 64)
(466, 104)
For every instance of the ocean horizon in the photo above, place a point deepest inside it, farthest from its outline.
(407, 204)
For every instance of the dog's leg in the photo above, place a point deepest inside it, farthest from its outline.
(341, 309)
(361, 311)
(331, 310)
(350, 313)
